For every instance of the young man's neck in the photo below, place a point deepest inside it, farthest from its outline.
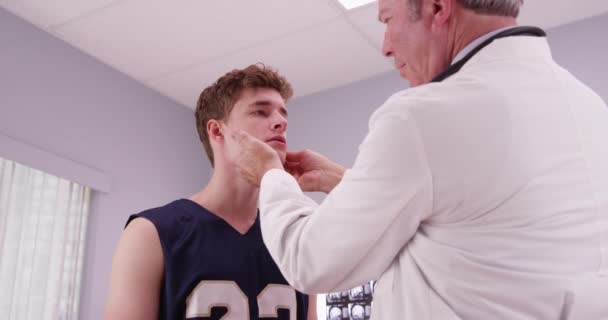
(230, 198)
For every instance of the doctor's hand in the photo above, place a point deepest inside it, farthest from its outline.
(252, 157)
(313, 171)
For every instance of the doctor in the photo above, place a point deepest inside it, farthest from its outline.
(481, 192)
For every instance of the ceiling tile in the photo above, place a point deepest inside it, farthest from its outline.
(45, 13)
(366, 20)
(324, 57)
(147, 39)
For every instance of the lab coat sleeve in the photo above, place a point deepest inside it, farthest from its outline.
(363, 224)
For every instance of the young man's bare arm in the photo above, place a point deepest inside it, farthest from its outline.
(312, 307)
(137, 273)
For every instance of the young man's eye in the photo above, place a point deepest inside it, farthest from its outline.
(259, 112)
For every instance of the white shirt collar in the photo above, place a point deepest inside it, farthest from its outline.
(477, 42)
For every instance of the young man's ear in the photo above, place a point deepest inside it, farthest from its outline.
(214, 130)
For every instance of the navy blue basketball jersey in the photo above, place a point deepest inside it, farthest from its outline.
(214, 272)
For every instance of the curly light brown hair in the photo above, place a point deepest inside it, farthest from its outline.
(216, 101)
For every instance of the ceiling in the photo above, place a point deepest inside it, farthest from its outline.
(180, 47)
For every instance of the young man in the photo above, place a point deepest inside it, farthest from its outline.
(203, 257)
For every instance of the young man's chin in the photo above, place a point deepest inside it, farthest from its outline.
(282, 155)
(277, 145)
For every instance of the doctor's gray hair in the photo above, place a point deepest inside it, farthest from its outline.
(507, 8)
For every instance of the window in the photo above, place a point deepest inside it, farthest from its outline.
(43, 222)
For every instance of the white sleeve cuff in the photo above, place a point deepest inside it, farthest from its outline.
(277, 181)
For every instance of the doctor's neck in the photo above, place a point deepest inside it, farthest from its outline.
(466, 26)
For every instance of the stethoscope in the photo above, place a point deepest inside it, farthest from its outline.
(517, 31)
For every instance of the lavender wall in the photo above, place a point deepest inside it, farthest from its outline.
(582, 48)
(58, 100)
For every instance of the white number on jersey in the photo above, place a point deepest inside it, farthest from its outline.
(210, 294)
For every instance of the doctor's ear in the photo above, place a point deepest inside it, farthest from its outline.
(215, 130)
(442, 11)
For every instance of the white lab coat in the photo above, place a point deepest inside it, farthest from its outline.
(481, 197)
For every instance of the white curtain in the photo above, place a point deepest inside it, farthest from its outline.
(43, 222)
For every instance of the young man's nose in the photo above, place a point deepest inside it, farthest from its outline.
(280, 123)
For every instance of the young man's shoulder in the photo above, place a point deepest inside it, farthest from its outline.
(171, 213)
(176, 221)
